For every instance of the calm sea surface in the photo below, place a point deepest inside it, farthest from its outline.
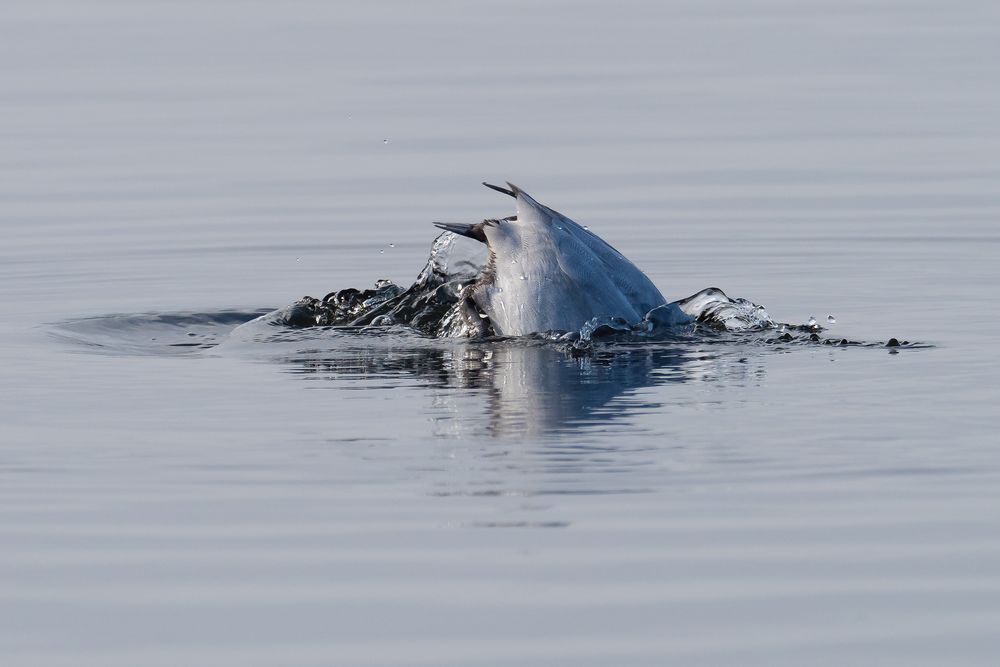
(169, 169)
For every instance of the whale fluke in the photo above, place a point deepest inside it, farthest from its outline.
(546, 273)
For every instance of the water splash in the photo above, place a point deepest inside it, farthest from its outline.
(434, 304)
(437, 305)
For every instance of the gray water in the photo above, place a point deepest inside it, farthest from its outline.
(173, 168)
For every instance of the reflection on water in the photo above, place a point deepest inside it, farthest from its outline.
(529, 387)
(502, 387)
(492, 387)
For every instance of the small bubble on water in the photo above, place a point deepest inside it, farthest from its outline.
(831, 319)
(811, 322)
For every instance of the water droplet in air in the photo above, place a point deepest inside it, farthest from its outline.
(381, 252)
(524, 277)
(385, 141)
(811, 322)
(392, 245)
(586, 227)
(831, 319)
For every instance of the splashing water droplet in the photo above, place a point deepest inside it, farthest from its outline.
(523, 277)
(381, 252)
(831, 319)
(586, 228)
(811, 322)
(392, 245)
(385, 141)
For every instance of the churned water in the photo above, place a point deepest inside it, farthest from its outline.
(173, 494)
